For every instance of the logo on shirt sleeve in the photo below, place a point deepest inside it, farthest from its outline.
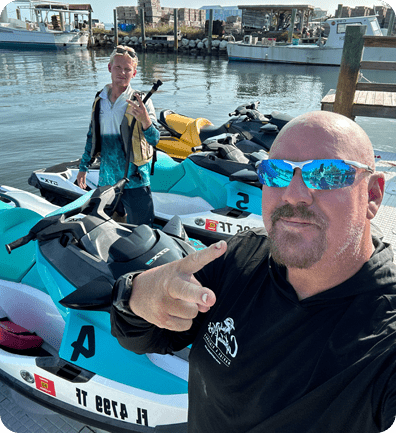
(220, 341)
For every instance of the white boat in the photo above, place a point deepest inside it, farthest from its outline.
(52, 25)
(97, 24)
(323, 52)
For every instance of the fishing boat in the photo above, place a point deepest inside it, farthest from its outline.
(326, 51)
(49, 25)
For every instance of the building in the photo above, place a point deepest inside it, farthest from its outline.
(156, 15)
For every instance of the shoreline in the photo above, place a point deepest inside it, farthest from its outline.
(185, 46)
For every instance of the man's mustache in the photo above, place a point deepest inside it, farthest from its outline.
(300, 212)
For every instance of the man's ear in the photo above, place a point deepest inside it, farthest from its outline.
(109, 67)
(376, 188)
(134, 73)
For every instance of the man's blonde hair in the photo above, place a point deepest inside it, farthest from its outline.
(124, 50)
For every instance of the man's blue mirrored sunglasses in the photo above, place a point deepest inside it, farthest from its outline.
(317, 174)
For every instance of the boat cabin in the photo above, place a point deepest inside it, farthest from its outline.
(273, 17)
(338, 27)
(50, 15)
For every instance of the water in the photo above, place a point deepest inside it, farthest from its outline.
(46, 99)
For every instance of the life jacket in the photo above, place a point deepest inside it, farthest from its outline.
(140, 151)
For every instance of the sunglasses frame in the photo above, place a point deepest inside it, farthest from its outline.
(121, 50)
(301, 164)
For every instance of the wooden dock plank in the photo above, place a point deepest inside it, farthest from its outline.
(388, 99)
(370, 98)
(379, 87)
(378, 98)
(378, 66)
(367, 103)
(380, 41)
(360, 97)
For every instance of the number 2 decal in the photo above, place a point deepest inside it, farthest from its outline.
(245, 200)
(87, 332)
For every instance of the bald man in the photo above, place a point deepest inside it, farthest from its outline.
(294, 331)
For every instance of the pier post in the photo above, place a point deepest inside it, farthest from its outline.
(115, 27)
(143, 29)
(291, 29)
(210, 31)
(62, 21)
(391, 23)
(349, 70)
(90, 36)
(176, 41)
(339, 11)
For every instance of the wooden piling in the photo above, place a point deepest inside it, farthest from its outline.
(143, 29)
(349, 70)
(391, 23)
(210, 31)
(90, 35)
(62, 21)
(339, 11)
(291, 28)
(115, 27)
(175, 30)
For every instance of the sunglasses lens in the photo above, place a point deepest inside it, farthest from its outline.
(323, 174)
(275, 173)
(123, 51)
(328, 174)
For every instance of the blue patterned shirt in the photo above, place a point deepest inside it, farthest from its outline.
(112, 165)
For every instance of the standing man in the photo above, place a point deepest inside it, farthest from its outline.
(109, 135)
(291, 331)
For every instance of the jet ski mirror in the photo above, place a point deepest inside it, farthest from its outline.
(245, 176)
(269, 128)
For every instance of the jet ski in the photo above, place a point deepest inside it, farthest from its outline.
(57, 276)
(215, 191)
(179, 133)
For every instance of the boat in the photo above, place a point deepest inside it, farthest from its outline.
(51, 25)
(323, 52)
(97, 24)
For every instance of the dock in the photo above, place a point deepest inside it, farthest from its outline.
(353, 98)
(366, 103)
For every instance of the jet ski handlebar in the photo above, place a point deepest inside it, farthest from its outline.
(55, 224)
(20, 242)
(242, 110)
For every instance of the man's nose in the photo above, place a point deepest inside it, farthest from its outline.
(297, 192)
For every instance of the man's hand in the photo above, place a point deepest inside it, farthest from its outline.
(81, 179)
(169, 296)
(139, 111)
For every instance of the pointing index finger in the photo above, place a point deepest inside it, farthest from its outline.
(196, 261)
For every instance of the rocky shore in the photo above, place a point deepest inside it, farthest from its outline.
(189, 46)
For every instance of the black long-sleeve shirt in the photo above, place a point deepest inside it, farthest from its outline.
(264, 362)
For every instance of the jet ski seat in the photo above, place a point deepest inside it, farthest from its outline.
(14, 223)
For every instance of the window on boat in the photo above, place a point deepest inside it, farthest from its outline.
(376, 28)
(341, 28)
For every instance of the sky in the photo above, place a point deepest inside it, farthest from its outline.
(103, 9)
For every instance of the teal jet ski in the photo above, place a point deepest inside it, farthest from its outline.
(57, 276)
